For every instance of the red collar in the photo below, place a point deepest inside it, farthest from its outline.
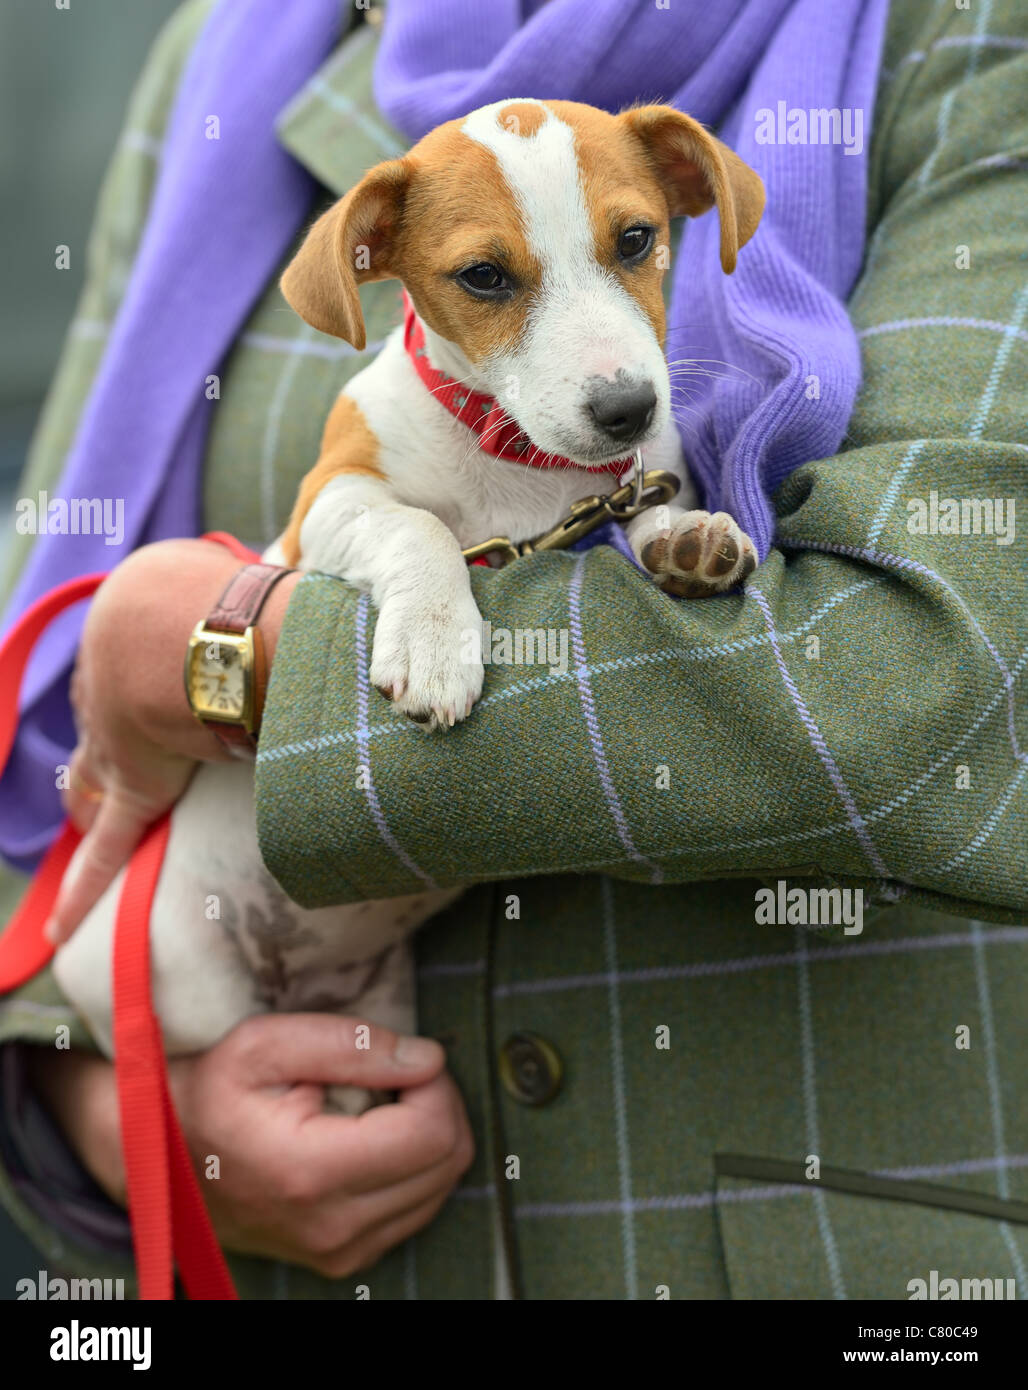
(498, 435)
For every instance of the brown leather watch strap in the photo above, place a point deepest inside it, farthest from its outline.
(234, 737)
(240, 605)
(239, 608)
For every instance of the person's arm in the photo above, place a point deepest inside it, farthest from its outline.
(857, 714)
(138, 739)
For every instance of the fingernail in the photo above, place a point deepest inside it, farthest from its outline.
(50, 932)
(415, 1052)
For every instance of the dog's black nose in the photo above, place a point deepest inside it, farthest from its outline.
(623, 412)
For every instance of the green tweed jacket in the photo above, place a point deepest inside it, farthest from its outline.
(735, 1104)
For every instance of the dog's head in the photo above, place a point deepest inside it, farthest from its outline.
(532, 237)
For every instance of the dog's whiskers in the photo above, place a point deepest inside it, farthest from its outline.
(696, 371)
(477, 441)
(699, 376)
(676, 415)
(688, 363)
(491, 432)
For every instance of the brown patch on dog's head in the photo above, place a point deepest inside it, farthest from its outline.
(442, 208)
(459, 192)
(522, 118)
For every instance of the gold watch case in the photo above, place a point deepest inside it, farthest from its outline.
(219, 676)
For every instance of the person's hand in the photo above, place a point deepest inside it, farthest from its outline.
(138, 739)
(331, 1192)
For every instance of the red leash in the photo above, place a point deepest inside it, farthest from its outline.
(170, 1223)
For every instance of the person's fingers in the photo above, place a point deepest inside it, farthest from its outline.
(117, 828)
(388, 1144)
(75, 697)
(368, 1248)
(337, 1220)
(312, 1251)
(84, 793)
(276, 1049)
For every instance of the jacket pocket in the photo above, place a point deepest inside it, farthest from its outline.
(849, 1234)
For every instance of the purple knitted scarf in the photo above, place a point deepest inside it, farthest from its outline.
(789, 83)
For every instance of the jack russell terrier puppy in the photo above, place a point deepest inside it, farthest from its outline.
(531, 239)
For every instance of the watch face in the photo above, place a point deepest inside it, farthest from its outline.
(217, 682)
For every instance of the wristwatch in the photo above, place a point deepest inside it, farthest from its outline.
(226, 673)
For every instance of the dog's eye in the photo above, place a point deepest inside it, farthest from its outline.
(634, 243)
(483, 278)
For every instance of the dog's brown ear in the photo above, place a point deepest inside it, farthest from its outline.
(351, 243)
(696, 171)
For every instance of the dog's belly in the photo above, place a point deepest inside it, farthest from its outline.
(226, 942)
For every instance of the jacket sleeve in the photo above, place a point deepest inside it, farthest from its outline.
(857, 713)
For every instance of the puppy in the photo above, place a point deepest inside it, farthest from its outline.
(531, 239)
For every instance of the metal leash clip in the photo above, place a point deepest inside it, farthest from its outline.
(642, 491)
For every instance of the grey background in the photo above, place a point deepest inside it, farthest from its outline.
(65, 79)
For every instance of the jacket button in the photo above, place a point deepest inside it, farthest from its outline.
(530, 1068)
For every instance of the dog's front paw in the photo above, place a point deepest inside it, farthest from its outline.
(427, 659)
(701, 554)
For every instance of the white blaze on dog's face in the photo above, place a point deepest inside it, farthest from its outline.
(532, 237)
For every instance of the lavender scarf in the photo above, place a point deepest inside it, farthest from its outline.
(224, 212)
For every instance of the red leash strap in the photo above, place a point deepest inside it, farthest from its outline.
(166, 1206)
(140, 1068)
(24, 950)
(168, 1210)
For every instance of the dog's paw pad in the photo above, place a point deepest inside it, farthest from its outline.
(701, 554)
